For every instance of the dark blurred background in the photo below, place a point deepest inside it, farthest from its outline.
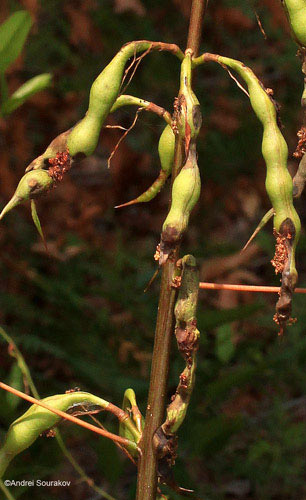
(79, 314)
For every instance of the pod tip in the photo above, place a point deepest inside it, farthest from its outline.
(132, 202)
(14, 201)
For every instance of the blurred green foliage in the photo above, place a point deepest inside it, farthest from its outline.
(80, 317)
(13, 34)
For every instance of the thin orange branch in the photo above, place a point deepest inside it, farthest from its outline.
(66, 416)
(244, 288)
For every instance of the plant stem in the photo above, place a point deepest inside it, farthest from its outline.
(195, 25)
(245, 288)
(6, 491)
(147, 468)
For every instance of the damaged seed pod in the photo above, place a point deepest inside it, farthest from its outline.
(37, 420)
(185, 194)
(82, 139)
(279, 187)
(58, 145)
(187, 336)
(31, 185)
(187, 114)
(190, 119)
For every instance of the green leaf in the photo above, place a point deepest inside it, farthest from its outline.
(224, 345)
(37, 222)
(13, 33)
(29, 88)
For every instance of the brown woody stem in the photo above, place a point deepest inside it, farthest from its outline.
(147, 468)
(195, 25)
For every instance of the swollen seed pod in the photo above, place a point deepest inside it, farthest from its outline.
(103, 94)
(166, 147)
(83, 137)
(279, 187)
(31, 185)
(296, 13)
(36, 420)
(185, 194)
(274, 149)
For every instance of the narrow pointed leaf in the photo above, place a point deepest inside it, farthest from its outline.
(37, 222)
(26, 90)
(13, 33)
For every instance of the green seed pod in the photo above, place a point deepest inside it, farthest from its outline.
(166, 148)
(31, 185)
(103, 94)
(185, 194)
(279, 187)
(296, 13)
(274, 149)
(27, 428)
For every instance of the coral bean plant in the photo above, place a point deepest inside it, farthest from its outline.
(151, 440)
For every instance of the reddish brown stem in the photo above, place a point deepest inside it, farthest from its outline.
(245, 288)
(195, 25)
